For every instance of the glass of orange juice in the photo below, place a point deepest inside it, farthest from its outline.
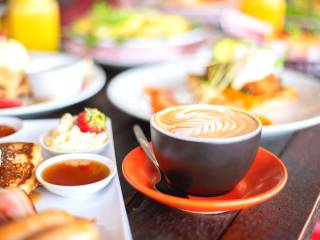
(35, 23)
(270, 11)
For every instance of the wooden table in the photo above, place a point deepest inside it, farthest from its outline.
(290, 215)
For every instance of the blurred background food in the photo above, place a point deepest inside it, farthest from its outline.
(93, 25)
(235, 76)
(133, 32)
(104, 22)
(13, 60)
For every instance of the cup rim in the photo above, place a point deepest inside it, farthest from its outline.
(209, 140)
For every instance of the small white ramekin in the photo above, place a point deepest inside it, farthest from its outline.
(81, 190)
(16, 123)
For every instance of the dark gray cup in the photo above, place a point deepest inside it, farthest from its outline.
(204, 166)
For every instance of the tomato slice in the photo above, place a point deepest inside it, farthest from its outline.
(10, 103)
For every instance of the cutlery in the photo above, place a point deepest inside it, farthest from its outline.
(162, 185)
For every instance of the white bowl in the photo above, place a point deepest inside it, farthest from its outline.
(56, 75)
(54, 152)
(81, 190)
(16, 123)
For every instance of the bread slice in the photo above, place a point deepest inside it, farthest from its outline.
(18, 162)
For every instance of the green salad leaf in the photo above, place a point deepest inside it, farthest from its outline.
(105, 15)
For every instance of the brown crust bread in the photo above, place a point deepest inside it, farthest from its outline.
(28, 227)
(18, 162)
(78, 229)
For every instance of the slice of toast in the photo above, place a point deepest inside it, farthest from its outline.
(18, 162)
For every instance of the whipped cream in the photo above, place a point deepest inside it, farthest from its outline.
(67, 136)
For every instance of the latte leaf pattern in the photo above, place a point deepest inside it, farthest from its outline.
(206, 122)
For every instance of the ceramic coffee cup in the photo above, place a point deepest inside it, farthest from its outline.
(205, 150)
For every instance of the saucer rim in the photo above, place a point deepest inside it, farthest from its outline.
(204, 204)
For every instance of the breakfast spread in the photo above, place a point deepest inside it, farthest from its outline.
(18, 162)
(78, 133)
(205, 139)
(204, 121)
(82, 171)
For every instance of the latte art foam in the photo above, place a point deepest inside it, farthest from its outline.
(206, 122)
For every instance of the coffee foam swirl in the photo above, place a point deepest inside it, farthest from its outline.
(205, 122)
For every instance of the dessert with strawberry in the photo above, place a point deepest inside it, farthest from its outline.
(79, 133)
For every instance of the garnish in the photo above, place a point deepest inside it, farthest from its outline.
(91, 120)
(219, 78)
(91, 40)
(293, 29)
(10, 103)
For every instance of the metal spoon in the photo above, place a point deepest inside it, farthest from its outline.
(162, 185)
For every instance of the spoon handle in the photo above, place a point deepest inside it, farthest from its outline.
(144, 144)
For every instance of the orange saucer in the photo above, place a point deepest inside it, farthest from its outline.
(265, 179)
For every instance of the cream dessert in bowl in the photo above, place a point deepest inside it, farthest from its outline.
(85, 132)
(205, 150)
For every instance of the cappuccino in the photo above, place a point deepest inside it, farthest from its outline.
(205, 121)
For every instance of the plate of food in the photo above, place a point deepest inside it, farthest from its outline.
(37, 82)
(129, 37)
(89, 205)
(241, 75)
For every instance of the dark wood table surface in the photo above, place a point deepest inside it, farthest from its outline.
(290, 215)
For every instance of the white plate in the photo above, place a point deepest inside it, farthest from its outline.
(132, 53)
(106, 207)
(95, 84)
(126, 92)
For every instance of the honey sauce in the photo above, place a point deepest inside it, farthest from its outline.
(6, 130)
(75, 172)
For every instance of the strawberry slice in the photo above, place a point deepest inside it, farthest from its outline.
(91, 120)
(10, 103)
